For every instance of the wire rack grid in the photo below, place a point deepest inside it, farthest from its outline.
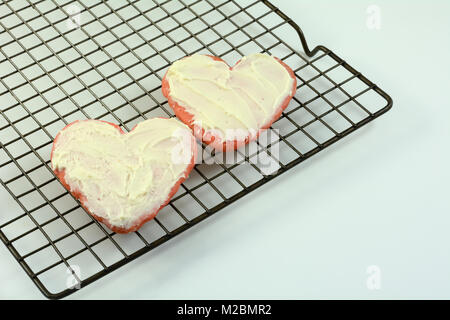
(62, 61)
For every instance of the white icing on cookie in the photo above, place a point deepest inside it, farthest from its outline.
(123, 176)
(221, 100)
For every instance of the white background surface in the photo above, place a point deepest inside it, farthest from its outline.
(378, 197)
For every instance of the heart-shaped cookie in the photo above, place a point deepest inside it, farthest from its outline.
(227, 107)
(123, 179)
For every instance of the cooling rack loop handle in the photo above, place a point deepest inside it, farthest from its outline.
(308, 52)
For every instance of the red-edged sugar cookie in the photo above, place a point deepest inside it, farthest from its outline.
(123, 179)
(227, 107)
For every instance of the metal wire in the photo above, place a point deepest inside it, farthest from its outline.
(64, 60)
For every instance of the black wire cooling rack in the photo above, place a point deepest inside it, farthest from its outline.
(66, 60)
